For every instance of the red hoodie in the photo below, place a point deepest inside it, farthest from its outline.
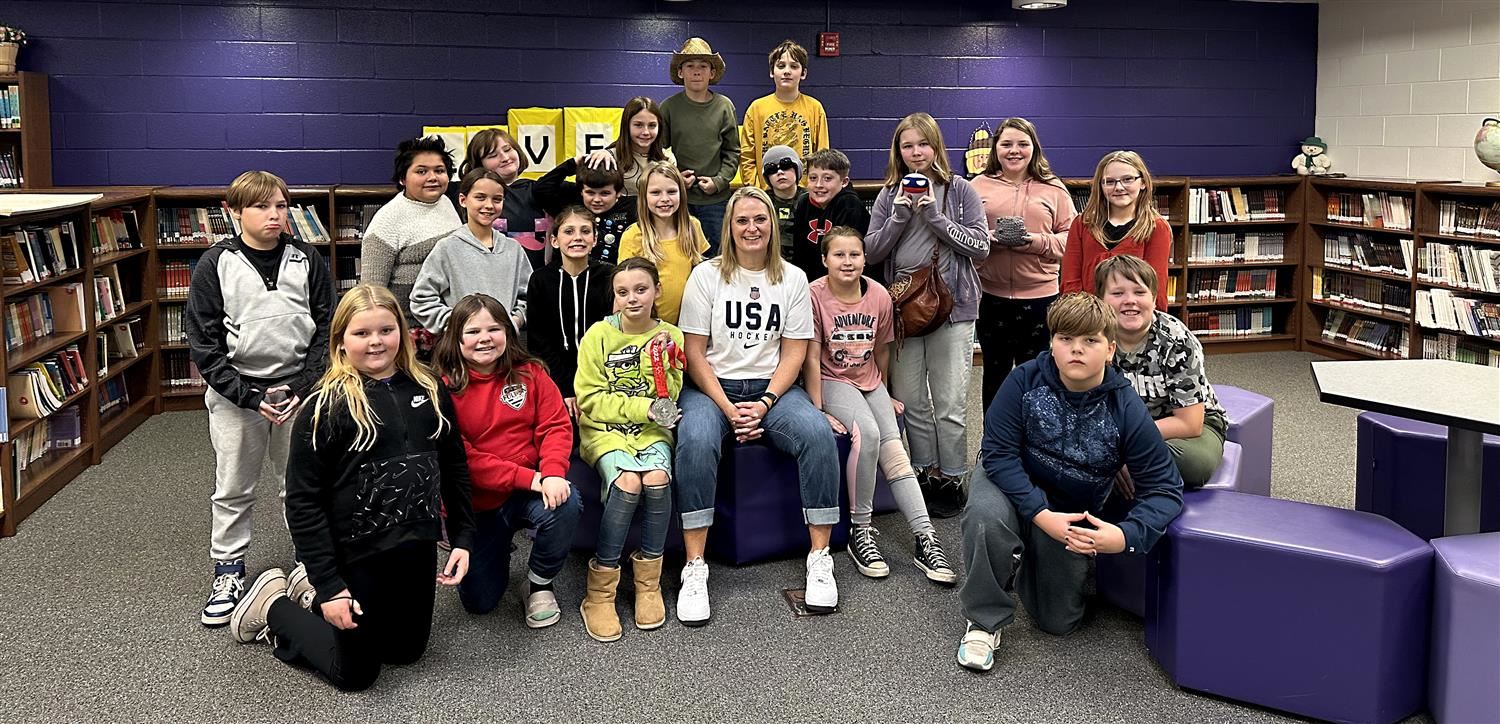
(512, 432)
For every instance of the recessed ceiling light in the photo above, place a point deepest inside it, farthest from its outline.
(1038, 4)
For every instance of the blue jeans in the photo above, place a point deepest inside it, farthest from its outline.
(489, 562)
(711, 216)
(793, 426)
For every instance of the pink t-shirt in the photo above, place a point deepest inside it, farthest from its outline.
(849, 333)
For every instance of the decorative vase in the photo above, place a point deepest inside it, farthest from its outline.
(8, 57)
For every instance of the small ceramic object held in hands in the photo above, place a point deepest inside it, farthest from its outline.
(915, 184)
(1009, 231)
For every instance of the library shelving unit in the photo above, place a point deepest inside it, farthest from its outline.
(128, 392)
(353, 206)
(1457, 244)
(1235, 226)
(30, 145)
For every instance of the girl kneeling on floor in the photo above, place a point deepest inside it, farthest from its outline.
(519, 438)
(629, 376)
(375, 457)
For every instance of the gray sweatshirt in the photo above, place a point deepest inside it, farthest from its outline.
(955, 221)
(460, 265)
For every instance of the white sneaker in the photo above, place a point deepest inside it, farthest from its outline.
(822, 593)
(692, 598)
(977, 649)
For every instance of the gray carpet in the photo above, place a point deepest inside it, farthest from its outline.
(99, 596)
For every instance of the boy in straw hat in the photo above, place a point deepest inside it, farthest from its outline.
(702, 129)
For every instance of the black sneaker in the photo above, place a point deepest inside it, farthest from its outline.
(930, 558)
(865, 553)
(946, 497)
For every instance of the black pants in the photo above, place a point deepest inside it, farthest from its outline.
(1011, 332)
(395, 589)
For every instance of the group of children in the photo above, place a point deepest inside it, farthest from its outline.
(663, 316)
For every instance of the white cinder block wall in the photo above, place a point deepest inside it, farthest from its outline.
(1404, 84)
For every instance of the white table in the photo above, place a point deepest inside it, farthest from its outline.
(1465, 397)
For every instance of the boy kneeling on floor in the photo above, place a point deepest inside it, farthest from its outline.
(1056, 434)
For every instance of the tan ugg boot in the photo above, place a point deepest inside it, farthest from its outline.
(598, 608)
(650, 609)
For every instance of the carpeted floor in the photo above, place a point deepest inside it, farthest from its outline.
(100, 591)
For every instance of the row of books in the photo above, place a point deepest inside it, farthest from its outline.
(40, 388)
(115, 395)
(1459, 349)
(350, 222)
(121, 340)
(211, 224)
(348, 272)
(1440, 309)
(62, 430)
(304, 225)
(10, 106)
(1236, 246)
(1362, 251)
(1234, 204)
(35, 253)
(1462, 218)
(31, 317)
(173, 327)
(1470, 267)
(175, 278)
(1239, 322)
(1232, 284)
(10, 171)
(179, 372)
(109, 294)
(1380, 209)
(115, 230)
(1364, 292)
(1387, 338)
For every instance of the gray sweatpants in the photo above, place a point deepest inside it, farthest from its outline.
(931, 376)
(871, 422)
(1050, 578)
(242, 440)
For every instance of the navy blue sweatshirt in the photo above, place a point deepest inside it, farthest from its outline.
(1049, 448)
(343, 505)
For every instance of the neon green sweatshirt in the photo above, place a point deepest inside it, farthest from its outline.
(615, 389)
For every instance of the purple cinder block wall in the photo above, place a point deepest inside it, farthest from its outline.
(321, 91)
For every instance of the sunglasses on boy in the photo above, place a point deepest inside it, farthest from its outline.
(785, 164)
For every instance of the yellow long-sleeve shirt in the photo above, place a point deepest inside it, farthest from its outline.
(801, 124)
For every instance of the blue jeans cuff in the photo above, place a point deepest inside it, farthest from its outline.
(695, 519)
(818, 516)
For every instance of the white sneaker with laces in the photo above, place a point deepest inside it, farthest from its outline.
(977, 649)
(692, 598)
(822, 593)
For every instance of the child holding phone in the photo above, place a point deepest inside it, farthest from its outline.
(375, 458)
(666, 235)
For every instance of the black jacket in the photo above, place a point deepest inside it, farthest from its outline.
(560, 310)
(553, 192)
(343, 504)
(810, 222)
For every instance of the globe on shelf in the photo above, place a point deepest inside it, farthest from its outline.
(1487, 146)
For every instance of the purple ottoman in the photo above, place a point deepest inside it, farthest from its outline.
(1313, 610)
(758, 505)
(1251, 419)
(1121, 580)
(1402, 467)
(1464, 681)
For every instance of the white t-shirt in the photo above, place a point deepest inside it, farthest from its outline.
(745, 319)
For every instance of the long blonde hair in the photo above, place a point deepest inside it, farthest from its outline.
(1096, 211)
(729, 255)
(922, 123)
(688, 234)
(343, 384)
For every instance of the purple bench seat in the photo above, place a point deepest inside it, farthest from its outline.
(1464, 678)
(1251, 424)
(1403, 466)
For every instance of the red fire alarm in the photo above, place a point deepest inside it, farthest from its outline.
(828, 45)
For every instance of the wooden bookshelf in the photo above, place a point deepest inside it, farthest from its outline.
(1448, 343)
(31, 144)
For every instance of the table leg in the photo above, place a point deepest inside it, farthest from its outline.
(1465, 463)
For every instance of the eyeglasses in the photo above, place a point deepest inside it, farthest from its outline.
(1122, 182)
(785, 164)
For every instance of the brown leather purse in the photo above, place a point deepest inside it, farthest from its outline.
(922, 300)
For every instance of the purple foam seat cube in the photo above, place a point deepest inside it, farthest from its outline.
(1464, 678)
(1403, 465)
(1251, 424)
(1318, 611)
(758, 505)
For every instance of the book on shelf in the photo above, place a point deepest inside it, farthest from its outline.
(1172, 289)
(1364, 252)
(40, 388)
(1223, 247)
(127, 338)
(1377, 335)
(35, 254)
(1379, 209)
(173, 327)
(10, 106)
(1460, 265)
(180, 372)
(175, 278)
(348, 272)
(351, 220)
(1234, 204)
(114, 394)
(115, 230)
(1459, 349)
(32, 317)
(1349, 290)
(1237, 322)
(1469, 218)
(4, 420)
(189, 225)
(109, 295)
(1205, 285)
(1442, 309)
(10, 171)
(62, 430)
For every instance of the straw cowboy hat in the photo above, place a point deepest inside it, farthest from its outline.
(697, 49)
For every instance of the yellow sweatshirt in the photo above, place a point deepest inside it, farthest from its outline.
(801, 124)
(615, 388)
(673, 268)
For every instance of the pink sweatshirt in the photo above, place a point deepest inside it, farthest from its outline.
(1028, 271)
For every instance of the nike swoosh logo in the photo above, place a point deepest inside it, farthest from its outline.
(418, 402)
(749, 345)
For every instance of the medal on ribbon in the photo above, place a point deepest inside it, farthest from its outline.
(663, 410)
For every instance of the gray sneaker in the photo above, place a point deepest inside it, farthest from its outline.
(977, 649)
(249, 621)
(299, 588)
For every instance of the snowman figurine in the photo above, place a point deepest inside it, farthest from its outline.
(1314, 158)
